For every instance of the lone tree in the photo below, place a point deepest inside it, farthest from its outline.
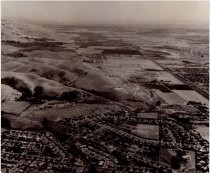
(26, 93)
(45, 123)
(38, 91)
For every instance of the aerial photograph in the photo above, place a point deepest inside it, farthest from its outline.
(105, 87)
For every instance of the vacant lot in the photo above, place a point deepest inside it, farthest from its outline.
(147, 131)
(204, 131)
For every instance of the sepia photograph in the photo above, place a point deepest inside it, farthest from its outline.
(105, 86)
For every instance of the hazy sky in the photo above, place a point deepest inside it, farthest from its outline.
(178, 12)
